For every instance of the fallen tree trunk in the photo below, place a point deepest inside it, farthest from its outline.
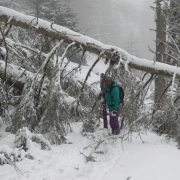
(13, 73)
(110, 52)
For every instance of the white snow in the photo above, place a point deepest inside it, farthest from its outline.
(153, 160)
(82, 39)
(15, 71)
(81, 73)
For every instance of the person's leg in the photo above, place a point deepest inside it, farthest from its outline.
(114, 122)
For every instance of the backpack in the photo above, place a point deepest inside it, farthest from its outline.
(121, 93)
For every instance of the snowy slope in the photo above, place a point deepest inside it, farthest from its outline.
(113, 159)
(153, 160)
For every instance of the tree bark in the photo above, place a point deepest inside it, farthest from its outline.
(110, 52)
(160, 56)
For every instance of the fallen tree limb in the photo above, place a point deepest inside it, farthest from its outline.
(12, 74)
(110, 52)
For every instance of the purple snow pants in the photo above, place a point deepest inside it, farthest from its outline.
(114, 122)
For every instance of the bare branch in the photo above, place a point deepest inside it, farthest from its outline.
(99, 57)
(5, 74)
(91, 45)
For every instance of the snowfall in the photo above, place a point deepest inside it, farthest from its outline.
(145, 156)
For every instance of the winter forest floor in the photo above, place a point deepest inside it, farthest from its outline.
(155, 159)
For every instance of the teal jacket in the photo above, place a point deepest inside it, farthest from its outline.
(112, 99)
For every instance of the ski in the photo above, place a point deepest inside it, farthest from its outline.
(102, 94)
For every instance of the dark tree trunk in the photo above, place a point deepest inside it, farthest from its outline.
(160, 50)
(13, 73)
(110, 52)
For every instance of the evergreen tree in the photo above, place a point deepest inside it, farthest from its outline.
(173, 35)
(132, 44)
(57, 11)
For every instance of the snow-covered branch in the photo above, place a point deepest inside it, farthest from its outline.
(13, 73)
(91, 45)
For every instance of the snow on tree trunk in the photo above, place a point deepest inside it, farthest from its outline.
(110, 52)
(13, 73)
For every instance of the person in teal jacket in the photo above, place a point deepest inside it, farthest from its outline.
(113, 102)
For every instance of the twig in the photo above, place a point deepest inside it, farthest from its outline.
(67, 48)
(127, 107)
(70, 72)
(40, 87)
(5, 72)
(151, 50)
(17, 52)
(13, 164)
(47, 59)
(6, 33)
(20, 76)
(164, 91)
(144, 76)
(29, 66)
(99, 57)
(105, 139)
(173, 41)
(161, 97)
(141, 138)
(177, 98)
(75, 53)
(172, 57)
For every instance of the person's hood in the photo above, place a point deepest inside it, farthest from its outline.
(113, 84)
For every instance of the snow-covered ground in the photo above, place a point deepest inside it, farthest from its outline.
(82, 159)
(155, 159)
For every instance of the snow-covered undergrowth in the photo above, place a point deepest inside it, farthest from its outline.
(97, 156)
(22, 145)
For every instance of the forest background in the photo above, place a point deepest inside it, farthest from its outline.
(40, 90)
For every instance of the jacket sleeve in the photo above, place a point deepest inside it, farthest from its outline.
(116, 98)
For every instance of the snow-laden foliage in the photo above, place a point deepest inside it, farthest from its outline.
(49, 102)
(53, 96)
(3, 103)
(89, 125)
(25, 114)
(4, 112)
(133, 113)
(166, 121)
(10, 156)
(46, 106)
(58, 12)
(24, 139)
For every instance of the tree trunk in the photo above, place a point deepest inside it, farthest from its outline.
(13, 73)
(160, 50)
(110, 52)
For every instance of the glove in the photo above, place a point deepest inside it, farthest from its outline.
(113, 113)
(102, 99)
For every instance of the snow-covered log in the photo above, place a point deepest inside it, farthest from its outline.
(13, 73)
(15, 18)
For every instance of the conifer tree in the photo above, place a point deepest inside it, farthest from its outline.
(56, 11)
